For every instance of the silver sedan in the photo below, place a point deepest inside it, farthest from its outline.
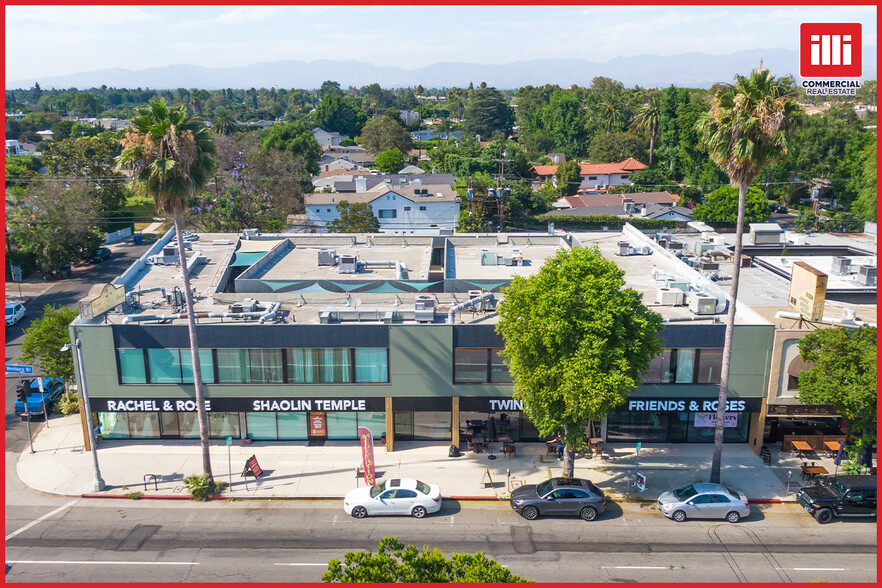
(704, 501)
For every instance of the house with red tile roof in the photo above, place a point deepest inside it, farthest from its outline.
(594, 174)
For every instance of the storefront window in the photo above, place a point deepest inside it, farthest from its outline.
(144, 425)
(498, 370)
(165, 366)
(206, 364)
(710, 364)
(114, 425)
(131, 366)
(189, 425)
(341, 425)
(375, 422)
(292, 425)
(261, 425)
(319, 366)
(431, 425)
(232, 366)
(469, 365)
(265, 366)
(371, 364)
(223, 424)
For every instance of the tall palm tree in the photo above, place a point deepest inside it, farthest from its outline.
(171, 154)
(223, 123)
(610, 110)
(647, 119)
(747, 128)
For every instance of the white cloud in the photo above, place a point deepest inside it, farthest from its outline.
(75, 16)
(247, 14)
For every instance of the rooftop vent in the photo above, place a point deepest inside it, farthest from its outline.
(327, 257)
(247, 305)
(668, 297)
(841, 266)
(701, 303)
(250, 233)
(624, 248)
(867, 275)
(348, 264)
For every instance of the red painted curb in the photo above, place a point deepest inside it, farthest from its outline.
(765, 500)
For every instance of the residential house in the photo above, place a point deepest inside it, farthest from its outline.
(13, 147)
(345, 181)
(628, 208)
(638, 198)
(594, 175)
(409, 116)
(353, 153)
(327, 139)
(429, 134)
(556, 158)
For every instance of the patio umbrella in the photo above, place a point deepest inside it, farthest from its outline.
(838, 459)
(867, 456)
(491, 429)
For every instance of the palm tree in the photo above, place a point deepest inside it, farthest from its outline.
(223, 123)
(610, 110)
(171, 154)
(647, 119)
(747, 128)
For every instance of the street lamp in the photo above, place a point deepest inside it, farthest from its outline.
(97, 483)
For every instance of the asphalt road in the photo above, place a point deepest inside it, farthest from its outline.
(66, 292)
(146, 541)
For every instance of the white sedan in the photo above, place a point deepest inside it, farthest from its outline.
(404, 496)
(14, 313)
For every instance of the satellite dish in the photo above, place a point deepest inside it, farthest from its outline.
(355, 302)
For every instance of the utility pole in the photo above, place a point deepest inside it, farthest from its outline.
(499, 191)
(470, 195)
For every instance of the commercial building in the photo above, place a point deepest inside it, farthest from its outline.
(308, 337)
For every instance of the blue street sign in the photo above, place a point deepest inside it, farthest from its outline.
(638, 445)
(19, 369)
(229, 440)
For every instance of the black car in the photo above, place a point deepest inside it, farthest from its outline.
(559, 496)
(99, 255)
(840, 496)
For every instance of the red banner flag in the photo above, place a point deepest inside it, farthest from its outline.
(367, 455)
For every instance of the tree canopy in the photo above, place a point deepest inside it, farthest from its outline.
(341, 114)
(721, 206)
(296, 138)
(390, 161)
(576, 342)
(355, 217)
(487, 111)
(395, 563)
(568, 177)
(44, 339)
(384, 133)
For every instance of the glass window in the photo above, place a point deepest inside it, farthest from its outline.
(685, 366)
(341, 425)
(114, 425)
(165, 366)
(431, 425)
(223, 424)
(206, 363)
(375, 422)
(265, 366)
(232, 366)
(371, 364)
(292, 425)
(144, 425)
(469, 365)
(189, 425)
(131, 366)
(324, 366)
(710, 363)
(261, 425)
(336, 365)
(168, 424)
(498, 370)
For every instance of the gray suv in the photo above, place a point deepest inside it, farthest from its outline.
(559, 496)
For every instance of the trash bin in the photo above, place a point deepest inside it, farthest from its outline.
(65, 271)
(137, 239)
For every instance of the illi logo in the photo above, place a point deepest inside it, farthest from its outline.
(830, 50)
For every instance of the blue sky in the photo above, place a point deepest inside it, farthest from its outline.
(57, 40)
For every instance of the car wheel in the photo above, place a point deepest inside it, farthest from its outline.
(824, 516)
(418, 512)
(733, 517)
(530, 513)
(679, 516)
(588, 513)
(359, 512)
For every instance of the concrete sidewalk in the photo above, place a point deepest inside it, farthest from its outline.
(293, 470)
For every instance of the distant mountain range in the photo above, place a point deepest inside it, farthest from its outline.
(694, 70)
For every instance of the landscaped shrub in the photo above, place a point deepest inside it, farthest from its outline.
(201, 489)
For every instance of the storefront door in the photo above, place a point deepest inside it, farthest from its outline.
(318, 425)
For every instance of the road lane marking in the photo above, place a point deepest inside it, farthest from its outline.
(819, 569)
(106, 563)
(41, 519)
(300, 564)
(636, 567)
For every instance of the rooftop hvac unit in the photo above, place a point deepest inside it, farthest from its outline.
(662, 236)
(624, 248)
(675, 245)
(327, 257)
(474, 294)
(250, 233)
(701, 304)
(704, 265)
(699, 247)
(488, 258)
(667, 297)
(247, 305)
(426, 300)
(719, 240)
(841, 266)
(677, 285)
(867, 275)
(424, 308)
(348, 264)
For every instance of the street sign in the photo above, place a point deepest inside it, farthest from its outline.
(19, 369)
(16, 273)
(638, 445)
(229, 440)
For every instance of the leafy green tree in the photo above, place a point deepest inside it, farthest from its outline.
(611, 110)
(355, 217)
(391, 160)
(721, 206)
(384, 133)
(748, 128)
(576, 342)
(843, 376)
(44, 339)
(612, 147)
(564, 120)
(396, 563)
(487, 112)
(21, 169)
(568, 177)
(54, 224)
(171, 154)
(865, 205)
(341, 114)
(647, 119)
(296, 138)
(92, 159)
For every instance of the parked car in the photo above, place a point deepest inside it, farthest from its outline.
(14, 313)
(100, 255)
(559, 496)
(704, 501)
(39, 403)
(404, 496)
(779, 209)
(840, 496)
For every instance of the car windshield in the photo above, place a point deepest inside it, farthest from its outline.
(9, 310)
(837, 486)
(594, 489)
(543, 488)
(377, 489)
(732, 492)
(423, 487)
(685, 492)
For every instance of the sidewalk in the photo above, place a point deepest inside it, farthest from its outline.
(294, 471)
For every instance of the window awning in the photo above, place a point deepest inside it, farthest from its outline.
(798, 365)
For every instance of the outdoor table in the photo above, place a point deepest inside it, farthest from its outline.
(801, 447)
(478, 443)
(832, 447)
(812, 471)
